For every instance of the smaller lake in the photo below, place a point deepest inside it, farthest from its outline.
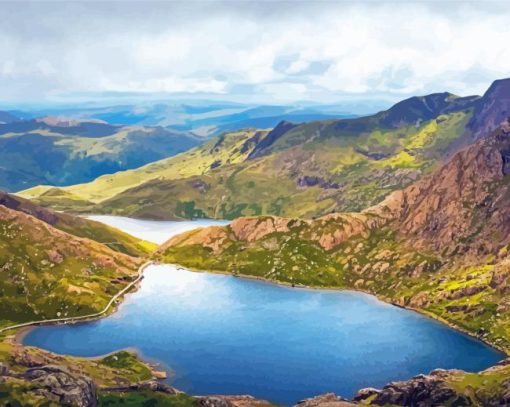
(219, 334)
(152, 230)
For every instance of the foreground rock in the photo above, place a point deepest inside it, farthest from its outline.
(325, 400)
(151, 385)
(231, 401)
(55, 383)
(420, 391)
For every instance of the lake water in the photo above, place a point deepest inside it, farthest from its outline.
(220, 334)
(153, 230)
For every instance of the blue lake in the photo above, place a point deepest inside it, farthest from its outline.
(218, 334)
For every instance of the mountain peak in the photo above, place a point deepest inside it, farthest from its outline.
(492, 109)
(281, 128)
(466, 197)
(420, 108)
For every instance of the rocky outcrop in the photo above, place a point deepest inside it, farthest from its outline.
(58, 384)
(460, 207)
(151, 385)
(420, 391)
(251, 229)
(214, 401)
(264, 145)
(325, 400)
(212, 237)
(231, 401)
(331, 230)
(328, 231)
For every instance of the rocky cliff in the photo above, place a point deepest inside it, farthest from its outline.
(463, 206)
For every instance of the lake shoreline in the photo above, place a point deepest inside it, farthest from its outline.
(22, 332)
(161, 371)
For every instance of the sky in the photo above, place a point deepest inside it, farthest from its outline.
(257, 52)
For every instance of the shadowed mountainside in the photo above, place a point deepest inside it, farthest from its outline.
(59, 151)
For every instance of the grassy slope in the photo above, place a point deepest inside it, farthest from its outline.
(81, 227)
(48, 273)
(311, 170)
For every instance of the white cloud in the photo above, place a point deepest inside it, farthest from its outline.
(314, 50)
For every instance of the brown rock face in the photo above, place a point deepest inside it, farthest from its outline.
(421, 391)
(331, 230)
(212, 237)
(325, 400)
(56, 383)
(251, 229)
(328, 231)
(463, 206)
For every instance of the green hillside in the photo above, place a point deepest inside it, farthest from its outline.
(295, 170)
(55, 152)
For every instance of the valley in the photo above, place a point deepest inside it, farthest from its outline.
(61, 151)
(409, 204)
(303, 171)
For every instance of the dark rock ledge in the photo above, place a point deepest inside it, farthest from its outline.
(57, 384)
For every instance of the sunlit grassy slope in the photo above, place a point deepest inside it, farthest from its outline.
(309, 170)
(225, 149)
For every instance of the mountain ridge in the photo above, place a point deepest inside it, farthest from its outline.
(302, 170)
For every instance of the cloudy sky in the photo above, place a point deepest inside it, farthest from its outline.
(263, 51)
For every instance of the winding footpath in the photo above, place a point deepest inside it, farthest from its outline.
(82, 317)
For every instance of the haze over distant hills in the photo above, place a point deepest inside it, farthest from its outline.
(63, 151)
(64, 146)
(302, 170)
(204, 117)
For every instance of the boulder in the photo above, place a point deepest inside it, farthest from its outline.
(154, 385)
(58, 384)
(325, 400)
(214, 401)
(420, 391)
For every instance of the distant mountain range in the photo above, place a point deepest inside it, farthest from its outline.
(206, 118)
(66, 146)
(301, 170)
